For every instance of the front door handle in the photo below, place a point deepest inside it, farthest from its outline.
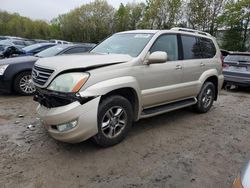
(202, 64)
(178, 67)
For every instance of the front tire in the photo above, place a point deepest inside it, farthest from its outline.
(23, 84)
(205, 98)
(115, 117)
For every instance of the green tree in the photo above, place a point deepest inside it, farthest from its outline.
(162, 14)
(122, 18)
(236, 19)
(203, 14)
(89, 23)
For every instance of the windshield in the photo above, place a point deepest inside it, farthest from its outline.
(31, 47)
(238, 58)
(123, 43)
(52, 51)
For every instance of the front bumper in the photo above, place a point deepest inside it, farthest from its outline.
(85, 114)
(5, 85)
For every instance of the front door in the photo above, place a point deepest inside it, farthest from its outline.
(161, 81)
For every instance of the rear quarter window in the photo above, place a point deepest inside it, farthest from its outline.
(207, 48)
(197, 47)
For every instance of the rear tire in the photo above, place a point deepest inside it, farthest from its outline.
(23, 85)
(115, 116)
(205, 98)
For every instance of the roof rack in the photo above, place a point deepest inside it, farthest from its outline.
(191, 31)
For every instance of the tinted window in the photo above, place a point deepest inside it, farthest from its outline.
(167, 43)
(76, 50)
(191, 49)
(207, 48)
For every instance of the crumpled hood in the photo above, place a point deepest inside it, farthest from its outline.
(67, 62)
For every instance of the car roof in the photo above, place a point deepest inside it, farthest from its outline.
(146, 31)
(173, 30)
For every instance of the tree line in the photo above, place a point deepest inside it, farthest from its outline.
(96, 20)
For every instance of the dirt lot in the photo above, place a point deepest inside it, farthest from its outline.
(178, 149)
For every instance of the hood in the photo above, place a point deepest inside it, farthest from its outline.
(67, 62)
(15, 60)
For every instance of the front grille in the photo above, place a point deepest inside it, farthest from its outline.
(41, 75)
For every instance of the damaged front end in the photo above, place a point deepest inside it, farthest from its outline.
(53, 99)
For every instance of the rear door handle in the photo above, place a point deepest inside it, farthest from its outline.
(202, 64)
(178, 67)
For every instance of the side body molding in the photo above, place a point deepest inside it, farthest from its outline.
(104, 87)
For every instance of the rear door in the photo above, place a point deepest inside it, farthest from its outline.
(193, 66)
(208, 52)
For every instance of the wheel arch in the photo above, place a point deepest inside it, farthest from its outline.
(211, 75)
(214, 80)
(15, 76)
(128, 93)
(126, 86)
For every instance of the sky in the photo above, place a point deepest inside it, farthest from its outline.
(48, 9)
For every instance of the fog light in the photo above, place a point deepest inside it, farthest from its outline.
(66, 126)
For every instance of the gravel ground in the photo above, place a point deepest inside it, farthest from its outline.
(177, 149)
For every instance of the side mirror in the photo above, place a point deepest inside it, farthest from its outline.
(157, 57)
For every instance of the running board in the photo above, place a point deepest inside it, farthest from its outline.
(153, 111)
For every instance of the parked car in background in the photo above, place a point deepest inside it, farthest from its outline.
(41, 41)
(28, 42)
(237, 69)
(15, 73)
(129, 76)
(59, 41)
(10, 51)
(3, 37)
(243, 180)
(36, 48)
(13, 42)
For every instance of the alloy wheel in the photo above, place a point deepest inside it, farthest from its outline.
(26, 84)
(114, 121)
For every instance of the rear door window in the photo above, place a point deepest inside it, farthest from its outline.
(191, 48)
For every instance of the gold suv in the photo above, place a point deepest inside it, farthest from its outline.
(129, 76)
